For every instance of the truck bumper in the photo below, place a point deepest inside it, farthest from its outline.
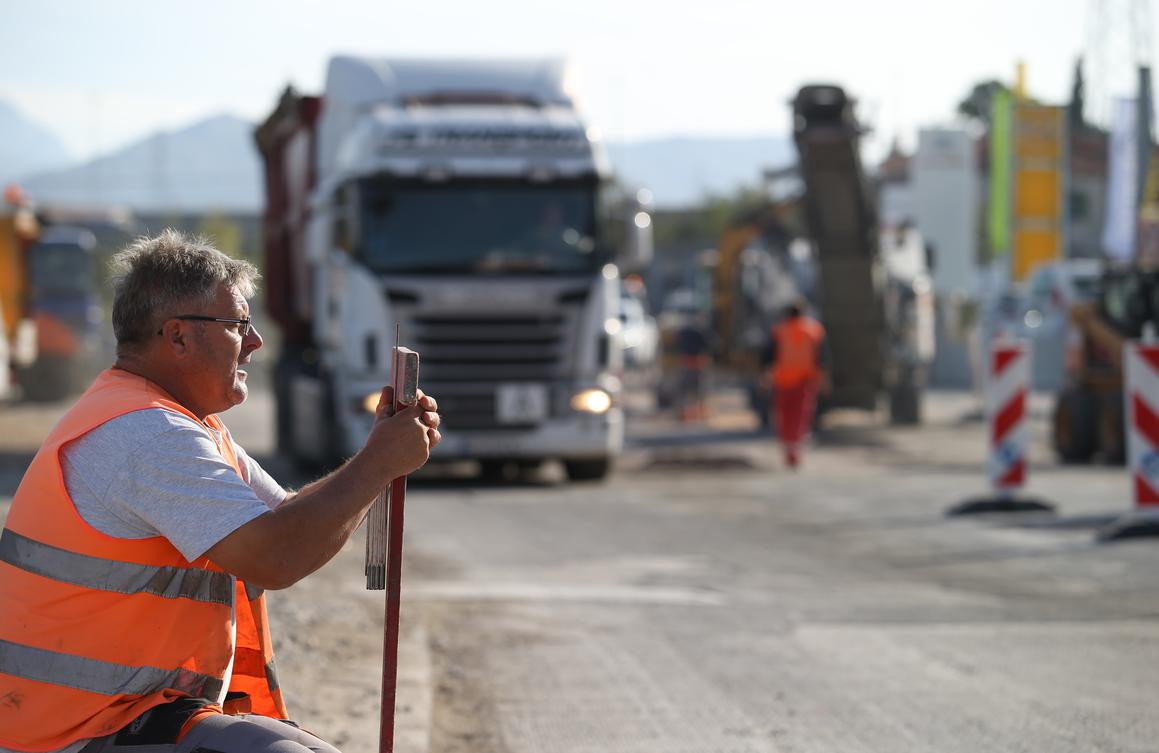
(577, 437)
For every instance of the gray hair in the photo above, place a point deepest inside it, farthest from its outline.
(154, 276)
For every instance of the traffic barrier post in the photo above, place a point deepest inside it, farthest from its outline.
(1007, 407)
(1141, 418)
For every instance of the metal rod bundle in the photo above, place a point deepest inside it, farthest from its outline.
(376, 538)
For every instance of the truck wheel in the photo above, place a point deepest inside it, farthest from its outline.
(587, 470)
(759, 400)
(492, 470)
(284, 370)
(1112, 433)
(904, 405)
(1073, 426)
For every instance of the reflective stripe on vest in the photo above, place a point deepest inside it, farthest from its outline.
(110, 575)
(272, 676)
(101, 677)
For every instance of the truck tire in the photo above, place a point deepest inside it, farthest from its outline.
(759, 403)
(493, 470)
(587, 470)
(285, 368)
(1112, 433)
(292, 363)
(905, 401)
(1074, 424)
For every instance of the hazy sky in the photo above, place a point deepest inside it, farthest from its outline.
(103, 73)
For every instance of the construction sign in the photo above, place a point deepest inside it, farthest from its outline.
(1040, 177)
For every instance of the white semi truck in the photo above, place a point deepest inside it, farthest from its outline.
(467, 203)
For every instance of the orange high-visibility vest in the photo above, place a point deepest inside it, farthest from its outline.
(95, 630)
(798, 346)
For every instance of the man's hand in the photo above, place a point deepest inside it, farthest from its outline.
(404, 439)
(277, 549)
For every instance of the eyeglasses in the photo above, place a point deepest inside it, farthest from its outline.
(244, 325)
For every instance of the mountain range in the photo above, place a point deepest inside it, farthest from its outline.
(27, 147)
(212, 165)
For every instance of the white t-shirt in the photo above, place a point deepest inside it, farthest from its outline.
(155, 472)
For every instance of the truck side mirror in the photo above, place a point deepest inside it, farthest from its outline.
(345, 227)
(637, 245)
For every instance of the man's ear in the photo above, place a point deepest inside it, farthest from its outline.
(176, 336)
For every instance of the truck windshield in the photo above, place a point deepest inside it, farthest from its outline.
(478, 227)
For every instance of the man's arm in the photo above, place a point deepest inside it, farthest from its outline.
(279, 548)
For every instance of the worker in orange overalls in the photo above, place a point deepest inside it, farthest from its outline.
(798, 372)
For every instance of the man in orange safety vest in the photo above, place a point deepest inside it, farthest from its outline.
(136, 553)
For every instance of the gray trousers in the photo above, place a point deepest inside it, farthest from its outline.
(154, 732)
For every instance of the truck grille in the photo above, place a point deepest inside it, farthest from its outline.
(464, 358)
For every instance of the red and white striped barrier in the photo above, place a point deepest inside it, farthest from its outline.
(1007, 406)
(1007, 392)
(1141, 396)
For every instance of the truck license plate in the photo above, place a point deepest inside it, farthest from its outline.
(520, 403)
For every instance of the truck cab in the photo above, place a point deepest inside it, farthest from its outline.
(465, 205)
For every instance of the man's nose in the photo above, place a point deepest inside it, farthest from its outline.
(253, 340)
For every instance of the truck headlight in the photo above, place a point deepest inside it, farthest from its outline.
(591, 401)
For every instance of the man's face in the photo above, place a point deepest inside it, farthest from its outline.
(222, 350)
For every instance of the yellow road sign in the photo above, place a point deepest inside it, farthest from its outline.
(1040, 183)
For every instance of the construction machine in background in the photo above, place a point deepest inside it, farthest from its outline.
(870, 286)
(876, 303)
(19, 229)
(63, 299)
(1087, 422)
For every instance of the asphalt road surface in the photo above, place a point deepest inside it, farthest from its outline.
(706, 600)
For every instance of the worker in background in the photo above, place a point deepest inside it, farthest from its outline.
(799, 370)
(694, 351)
(138, 545)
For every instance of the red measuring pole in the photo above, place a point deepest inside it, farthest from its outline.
(404, 379)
